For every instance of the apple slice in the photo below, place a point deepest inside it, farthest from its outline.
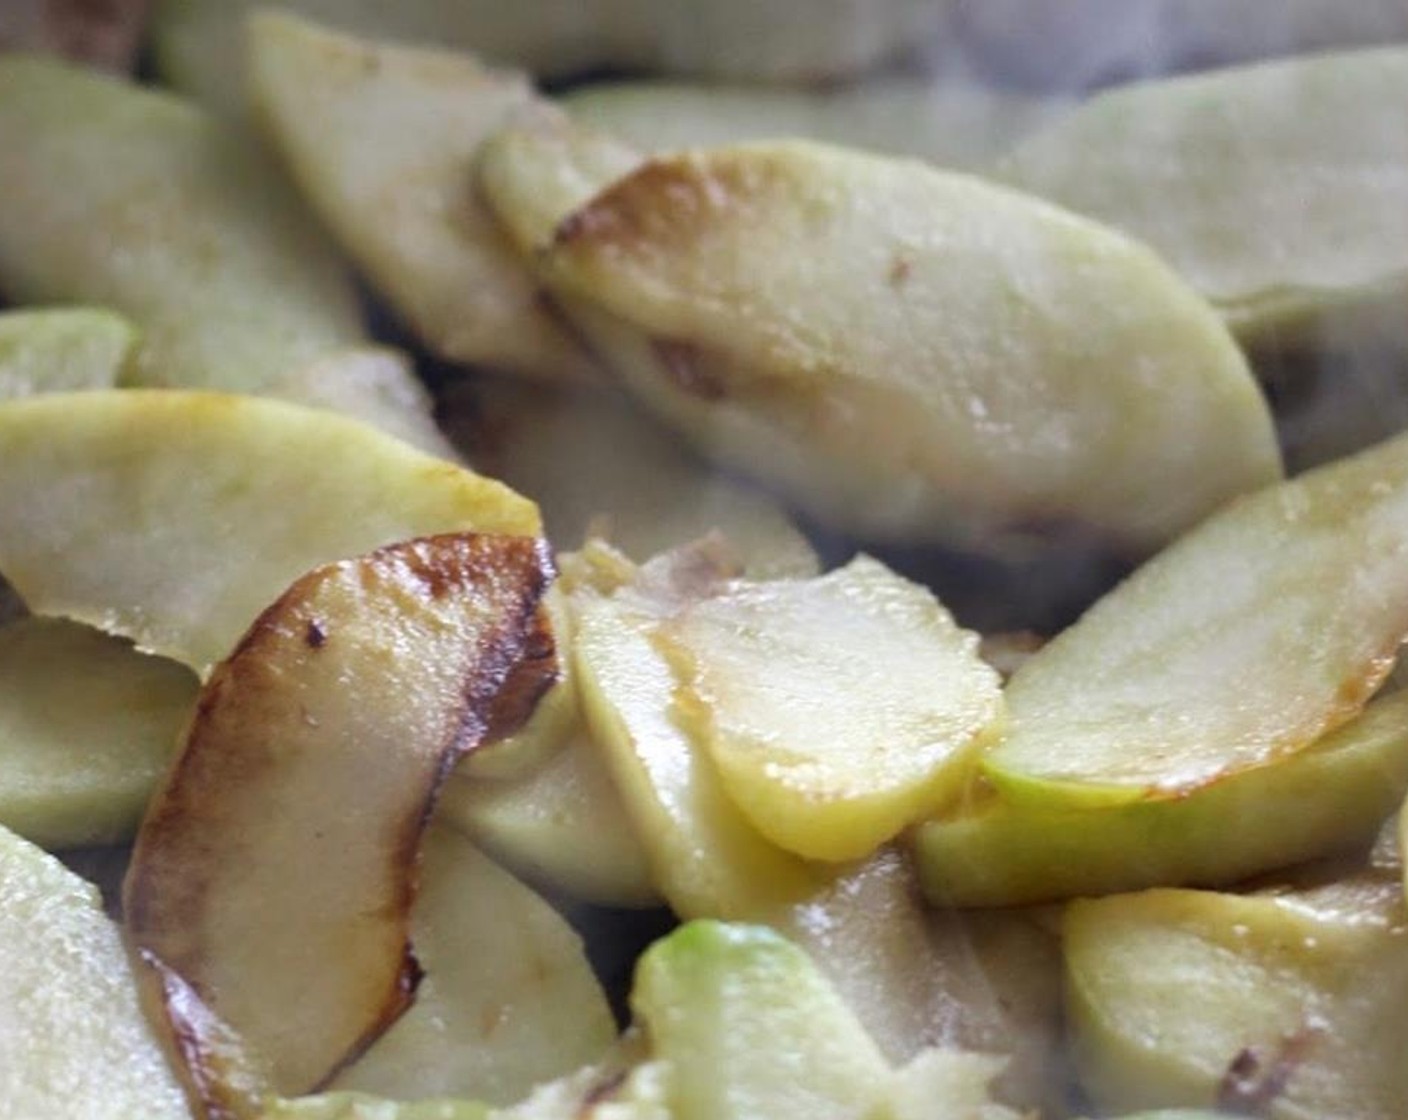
(73, 1040)
(839, 709)
(62, 349)
(950, 123)
(599, 467)
(1179, 677)
(508, 1000)
(949, 361)
(1261, 1005)
(87, 726)
(173, 518)
(403, 207)
(285, 913)
(1329, 797)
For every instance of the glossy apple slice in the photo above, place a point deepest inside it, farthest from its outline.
(73, 1040)
(173, 518)
(508, 999)
(1180, 676)
(276, 869)
(87, 727)
(62, 349)
(838, 709)
(1329, 797)
(949, 360)
(403, 207)
(1261, 1005)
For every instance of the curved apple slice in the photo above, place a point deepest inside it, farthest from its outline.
(251, 881)
(1324, 799)
(87, 727)
(62, 349)
(403, 207)
(949, 361)
(839, 709)
(173, 518)
(1180, 676)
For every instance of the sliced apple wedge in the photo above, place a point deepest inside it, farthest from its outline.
(252, 882)
(73, 1040)
(61, 349)
(405, 208)
(1180, 676)
(949, 361)
(1259, 1005)
(1329, 797)
(839, 709)
(508, 1000)
(599, 467)
(173, 518)
(87, 727)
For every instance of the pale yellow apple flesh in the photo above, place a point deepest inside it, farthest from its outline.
(174, 518)
(286, 914)
(61, 349)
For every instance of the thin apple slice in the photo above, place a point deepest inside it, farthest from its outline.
(837, 710)
(252, 882)
(87, 727)
(1329, 797)
(949, 360)
(404, 207)
(137, 200)
(563, 826)
(73, 1040)
(1261, 1005)
(173, 518)
(61, 349)
(599, 467)
(508, 1000)
(949, 123)
(1180, 676)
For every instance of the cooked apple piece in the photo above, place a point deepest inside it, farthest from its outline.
(599, 467)
(770, 40)
(173, 518)
(404, 208)
(949, 360)
(1254, 1004)
(953, 124)
(957, 1081)
(87, 726)
(286, 914)
(564, 826)
(1179, 677)
(1327, 798)
(73, 1039)
(62, 349)
(508, 1000)
(839, 709)
(134, 199)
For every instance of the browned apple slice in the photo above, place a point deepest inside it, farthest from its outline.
(275, 872)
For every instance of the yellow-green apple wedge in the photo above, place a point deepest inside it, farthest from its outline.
(87, 727)
(600, 467)
(173, 518)
(1261, 1004)
(1328, 798)
(1179, 677)
(404, 208)
(276, 869)
(949, 361)
(62, 349)
(507, 1000)
(838, 709)
(73, 1039)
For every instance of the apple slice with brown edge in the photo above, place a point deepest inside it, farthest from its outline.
(1257, 633)
(173, 518)
(276, 869)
